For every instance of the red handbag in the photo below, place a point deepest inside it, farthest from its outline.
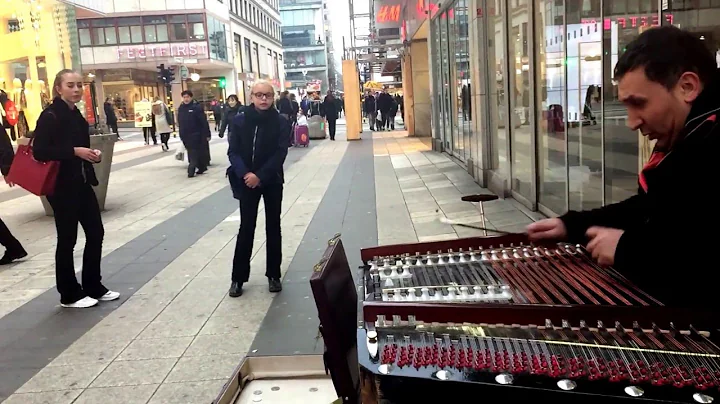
(35, 176)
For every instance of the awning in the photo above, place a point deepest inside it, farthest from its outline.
(95, 6)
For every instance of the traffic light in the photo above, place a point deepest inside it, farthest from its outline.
(223, 82)
(161, 72)
(170, 76)
(166, 76)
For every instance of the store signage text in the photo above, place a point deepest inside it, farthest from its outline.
(634, 21)
(389, 13)
(168, 50)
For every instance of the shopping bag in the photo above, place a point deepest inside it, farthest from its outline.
(36, 177)
(180, 153)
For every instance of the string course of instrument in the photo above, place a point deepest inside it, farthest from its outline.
(456, 295)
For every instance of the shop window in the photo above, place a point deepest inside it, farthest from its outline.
(247, 56)
(624, 149)
(584, 105)
(550, 105)
(178, 28)
(84, 37)
(155, 28)
(129, 30)
(502, 120)
(218, 43)
(520, 96)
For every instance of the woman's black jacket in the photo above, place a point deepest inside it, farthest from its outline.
(58, 132)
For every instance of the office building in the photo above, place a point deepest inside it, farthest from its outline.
(122, 47)
(306, 39)
(258, 52)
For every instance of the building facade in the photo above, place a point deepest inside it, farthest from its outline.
(38, 39)
(122, 49)
(521, 92)
(305, 39)
(257, 47)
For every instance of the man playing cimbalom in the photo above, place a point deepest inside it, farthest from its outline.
(258, 147)
(664, 238)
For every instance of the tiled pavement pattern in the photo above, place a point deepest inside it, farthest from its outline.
(416, 186)
(175, 337)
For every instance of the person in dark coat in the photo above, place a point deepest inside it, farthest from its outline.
(110, 117)
(13, 249)
(370, 109)
(392, 113)
(194, 133)
(669, 83)
(384, 104)
(233, 108)
(258, 148)
(330, 113)
(62, 135)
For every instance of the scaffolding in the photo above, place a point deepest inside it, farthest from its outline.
(366, 47)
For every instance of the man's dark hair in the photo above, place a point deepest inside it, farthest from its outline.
(666, 53)
(186, 92)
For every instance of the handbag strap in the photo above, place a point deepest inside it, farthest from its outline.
(32, 139)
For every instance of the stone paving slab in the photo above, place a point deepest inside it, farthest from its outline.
(430, 185)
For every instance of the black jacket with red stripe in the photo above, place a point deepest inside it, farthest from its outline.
(672, 230)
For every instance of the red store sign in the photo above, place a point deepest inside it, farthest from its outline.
(166, 50)
(634, 21)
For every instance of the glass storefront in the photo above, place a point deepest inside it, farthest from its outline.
(38, 40)
(545, 110)
(125, 87)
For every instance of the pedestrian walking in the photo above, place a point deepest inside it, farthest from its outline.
(194, 133)
(162, 123)
(330, 113)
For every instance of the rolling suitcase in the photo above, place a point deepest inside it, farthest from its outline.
(302, 136)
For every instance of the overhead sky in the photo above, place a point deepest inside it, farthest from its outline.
(340, 24)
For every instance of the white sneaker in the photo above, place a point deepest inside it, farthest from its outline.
(109, 296)
(83, 303)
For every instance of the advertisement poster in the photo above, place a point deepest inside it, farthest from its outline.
(88, 105)
(143, 114)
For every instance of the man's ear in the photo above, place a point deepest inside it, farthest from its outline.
(690, 86)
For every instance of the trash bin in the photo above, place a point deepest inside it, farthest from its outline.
(106, 145)
(316, 127)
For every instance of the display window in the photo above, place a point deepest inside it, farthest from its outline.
(35, 43)
(545, 109)
(123, 97)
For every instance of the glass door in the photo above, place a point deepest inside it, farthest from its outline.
(437, 81)
(446, 83)
(463, 80)
(499, 119)
(551, 106)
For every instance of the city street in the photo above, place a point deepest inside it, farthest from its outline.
(175, 336)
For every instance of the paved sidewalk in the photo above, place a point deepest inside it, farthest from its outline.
(416, 186)
(175, 336)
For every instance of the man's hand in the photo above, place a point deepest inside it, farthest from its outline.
(7, 181)
(603, 242)
(251, 180)
(547, 229)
